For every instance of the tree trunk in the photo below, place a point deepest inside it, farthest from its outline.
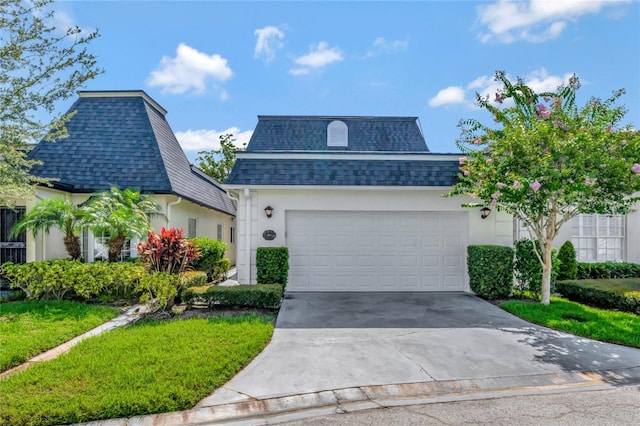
(72, 245)
(115, 247)
(546, 274)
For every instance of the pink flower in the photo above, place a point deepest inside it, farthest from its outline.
(501, 185)
(474, 195)
(496, 120)
(546, 99)
(535, 186)
(635, 168)
(590, 181)
(495, 195)
(489, 160)
(462, 160)
(609, 129)
(478, 141)
(560, 124)
(543, 112)
(500, 97)
(517, 185)
(466, 172)
(493, 202)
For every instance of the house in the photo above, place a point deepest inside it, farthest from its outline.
(359, 203)
(122, 138)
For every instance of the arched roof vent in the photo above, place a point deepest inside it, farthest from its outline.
(337, 134)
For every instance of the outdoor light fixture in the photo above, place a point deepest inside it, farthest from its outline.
(268, 211)
(484, 212)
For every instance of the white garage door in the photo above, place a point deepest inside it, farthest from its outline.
(376, 251)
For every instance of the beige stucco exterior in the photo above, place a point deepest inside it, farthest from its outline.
(177, 212)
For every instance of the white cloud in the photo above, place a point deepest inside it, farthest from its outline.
(449, 96)
(535, 21)
(319, 56)
(268, 42)
(382, 45)
(189, 70)
(539, 80)
(205, 140)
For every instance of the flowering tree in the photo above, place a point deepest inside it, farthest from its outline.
(549, 160)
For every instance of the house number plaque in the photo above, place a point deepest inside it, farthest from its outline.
(269, 235)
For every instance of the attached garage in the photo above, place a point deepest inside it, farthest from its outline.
(376, 251)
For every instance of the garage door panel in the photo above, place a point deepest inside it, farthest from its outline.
(383, 251)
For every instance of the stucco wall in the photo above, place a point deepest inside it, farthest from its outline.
(51, 246)
(496, 229)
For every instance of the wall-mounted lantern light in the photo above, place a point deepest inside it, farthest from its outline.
(485, 212)
(268, 211)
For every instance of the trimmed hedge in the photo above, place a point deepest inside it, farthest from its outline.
(568, 268)
(257, 296)
(272, 264)
(620, 294)
(608, 270)
(490, 270)
(528, 270)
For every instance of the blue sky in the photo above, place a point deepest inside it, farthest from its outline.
(215, 66)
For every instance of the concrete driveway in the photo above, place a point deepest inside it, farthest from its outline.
(329, 341)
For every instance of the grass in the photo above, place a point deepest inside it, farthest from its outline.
(150, 367)
(29, 328)
(575, 318)
(617, 285)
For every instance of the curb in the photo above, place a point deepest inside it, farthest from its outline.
(132, 314)
(294, 407)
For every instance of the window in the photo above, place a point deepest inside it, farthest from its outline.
(232, 235)
(598, 238)
(220, 232)
(191, 227)
(337, 134)
(101, 248)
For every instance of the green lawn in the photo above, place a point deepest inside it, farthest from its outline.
(599, 324)
(29, 328)
(149, 367)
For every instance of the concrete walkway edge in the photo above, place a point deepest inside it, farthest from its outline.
(339, 401)
(132, 314)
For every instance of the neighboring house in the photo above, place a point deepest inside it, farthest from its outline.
(122, 139)
(359, 203)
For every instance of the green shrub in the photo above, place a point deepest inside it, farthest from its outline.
(257, 296)
(608, 270)
(528, 269)
(568, 267)
(70, 279)
(490, 270)
(221, 269)
(211, 253)
(158, 289)
(602, 294)
(193, 279)
(272, 264)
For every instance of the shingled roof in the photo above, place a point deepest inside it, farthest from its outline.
(344, 172)
(309, 133)
(123, 139)
(380, 151)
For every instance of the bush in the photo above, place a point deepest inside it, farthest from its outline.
(193, 279)
(257, 296)
(158, 289)
(167, 251)
(211, 253)
(221, 269)
(608, 270)
(490, 270)
(602, 294)
(528, 270)
(568, 267)
(70, 279)
(272, 264)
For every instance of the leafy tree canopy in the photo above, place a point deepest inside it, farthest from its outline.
(218, 163)
(40, 65)
(549, 160)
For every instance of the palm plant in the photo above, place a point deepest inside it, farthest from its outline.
(120, 214)
(54, 212)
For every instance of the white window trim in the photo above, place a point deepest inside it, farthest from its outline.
(597, 237)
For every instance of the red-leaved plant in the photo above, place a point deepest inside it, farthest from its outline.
(167, 251)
